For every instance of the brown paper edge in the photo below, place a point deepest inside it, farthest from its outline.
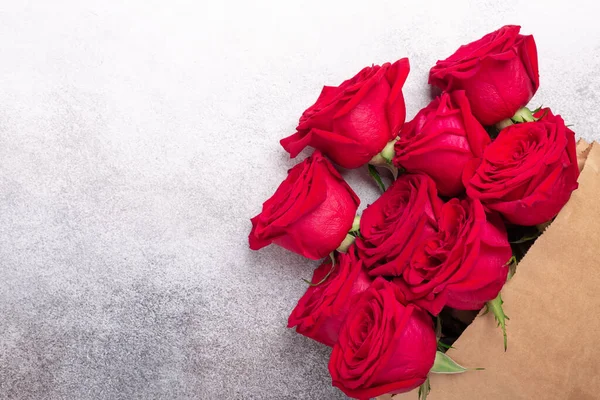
(583, 149)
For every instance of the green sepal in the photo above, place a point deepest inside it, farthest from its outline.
(523, 114)
(543, 115)
(375, 175)
(346, 243)
(424, 389)
(332, 256)
(512, 268)
(388, 151)
(495, 306)
(505, 123)
(356, 226)
(443, 364)
(494, 130)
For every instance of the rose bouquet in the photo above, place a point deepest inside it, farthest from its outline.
(476, 176)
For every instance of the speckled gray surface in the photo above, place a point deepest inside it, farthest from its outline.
(137, 139)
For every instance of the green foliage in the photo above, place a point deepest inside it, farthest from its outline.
(495, 306)
(375, 175)
(424, 389)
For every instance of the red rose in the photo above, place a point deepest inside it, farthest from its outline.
(528, 173)
(353, 122)
(392, 226)
(441, 140)
(499, 73)
(310, 213)
(463, 265)
(323, 308)
(385, 346)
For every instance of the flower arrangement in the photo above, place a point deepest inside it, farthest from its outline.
(476, 177)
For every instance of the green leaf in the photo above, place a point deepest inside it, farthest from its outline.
(537, 109)
(375, 175)
(424, 389)
(332, 256)
(495, 306)
(444, 346)
(443, 364)
(527, 238)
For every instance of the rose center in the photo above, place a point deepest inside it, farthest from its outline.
(393, 214)
(427, 261)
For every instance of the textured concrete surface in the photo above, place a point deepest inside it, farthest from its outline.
(137, 138)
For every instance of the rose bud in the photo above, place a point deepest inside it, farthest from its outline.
(463, 265)
(528, 173)
(385, 345)
(353, 122)
(310, 213)
(498, 72)
(323, 308)
(393, 225)
(441, 139)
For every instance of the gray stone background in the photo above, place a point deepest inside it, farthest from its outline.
(137, 138)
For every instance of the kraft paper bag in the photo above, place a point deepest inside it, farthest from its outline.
(554, 307)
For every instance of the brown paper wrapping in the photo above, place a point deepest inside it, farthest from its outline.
(554, 308)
